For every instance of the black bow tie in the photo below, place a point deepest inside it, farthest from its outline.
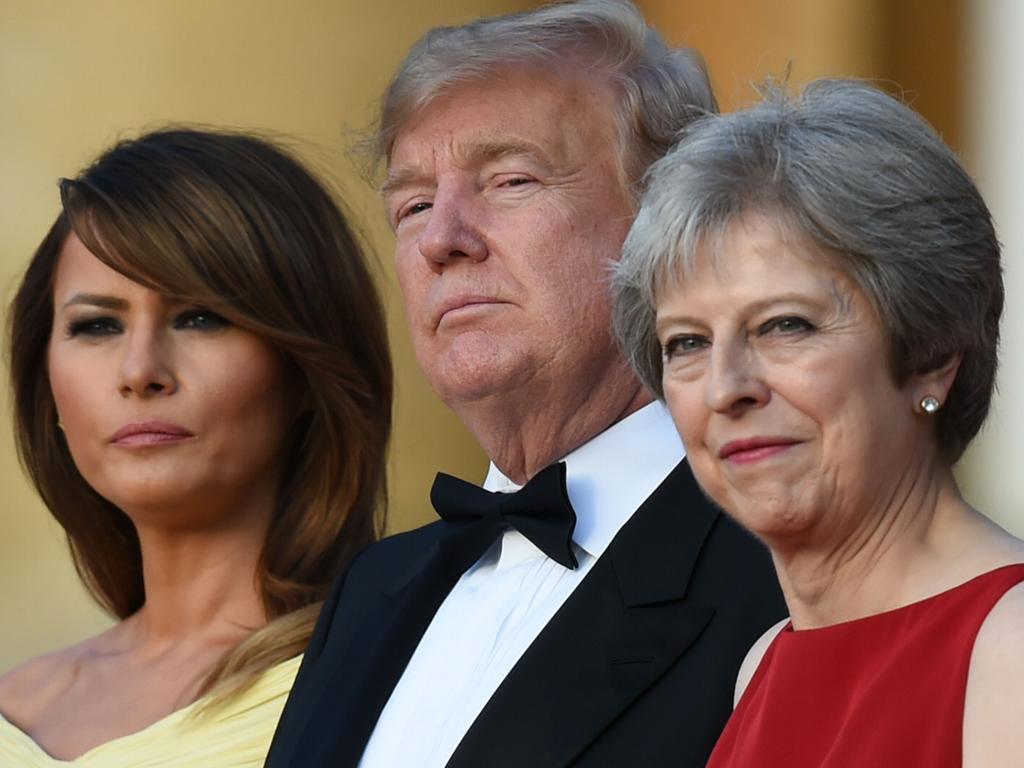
(540, 510)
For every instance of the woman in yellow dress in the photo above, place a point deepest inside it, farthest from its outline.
(202, 394)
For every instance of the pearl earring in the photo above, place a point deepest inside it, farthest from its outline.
(929, 404)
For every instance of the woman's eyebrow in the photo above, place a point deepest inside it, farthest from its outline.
(96, 300)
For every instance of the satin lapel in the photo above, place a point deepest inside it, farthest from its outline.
(365, 662)
(616, 635)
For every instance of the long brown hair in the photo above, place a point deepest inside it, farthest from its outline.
(233, 222)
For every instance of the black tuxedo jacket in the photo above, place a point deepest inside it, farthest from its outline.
(637, 668)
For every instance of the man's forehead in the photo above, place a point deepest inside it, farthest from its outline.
(525, 115)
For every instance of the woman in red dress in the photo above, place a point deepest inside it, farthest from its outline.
(814, 287)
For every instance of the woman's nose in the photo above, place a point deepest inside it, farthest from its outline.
(734, 384)
(146, 366)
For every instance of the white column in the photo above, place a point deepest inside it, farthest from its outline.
(992, 473)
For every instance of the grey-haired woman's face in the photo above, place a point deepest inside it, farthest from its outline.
(776, 375)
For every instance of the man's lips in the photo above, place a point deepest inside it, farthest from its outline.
(754, 449)
(455, 304)
(150, 433)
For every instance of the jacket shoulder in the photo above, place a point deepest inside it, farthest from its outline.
(380, 558)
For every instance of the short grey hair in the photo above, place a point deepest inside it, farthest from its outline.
(662, 89)
(869, 182)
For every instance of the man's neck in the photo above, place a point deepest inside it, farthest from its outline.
(523, 438)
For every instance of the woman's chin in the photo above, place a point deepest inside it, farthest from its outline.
(155, 502)
(773, 517)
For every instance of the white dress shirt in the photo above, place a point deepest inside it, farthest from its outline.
(500, 605)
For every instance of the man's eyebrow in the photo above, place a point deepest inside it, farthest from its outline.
(401, 177)
(96, 300)
(496, 150)
(476, 154)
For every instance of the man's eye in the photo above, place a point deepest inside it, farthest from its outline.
(94, 327)
(412, 210)
(200, 320)
(678, 346)
(786, 325)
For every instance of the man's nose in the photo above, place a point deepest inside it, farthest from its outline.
(147, 368)
(453, 231)
(735, 383)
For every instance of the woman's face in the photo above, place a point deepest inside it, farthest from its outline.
(165, 405)
(776, 375)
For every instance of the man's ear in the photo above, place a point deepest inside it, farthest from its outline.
(936, 382)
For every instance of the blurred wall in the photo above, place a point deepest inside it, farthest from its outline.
(76, 76)
(994, 129)
(914, 47)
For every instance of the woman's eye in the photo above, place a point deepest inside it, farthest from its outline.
(94, 327)
(682, 345)
(788, 324)
(200, 320)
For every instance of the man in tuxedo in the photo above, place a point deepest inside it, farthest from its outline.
(515, 148)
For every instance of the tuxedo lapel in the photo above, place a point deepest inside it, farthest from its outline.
(625, 625)
(368, 657)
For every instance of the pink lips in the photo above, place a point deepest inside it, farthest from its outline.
(755, 449)
(455, 304)
(145, 433)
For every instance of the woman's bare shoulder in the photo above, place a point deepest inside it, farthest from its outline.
(753, 659)
(995, 683)
(1000, 640)
(30, 687)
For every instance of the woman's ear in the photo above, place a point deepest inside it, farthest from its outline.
(934, 385)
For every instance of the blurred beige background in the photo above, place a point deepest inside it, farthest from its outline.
(75, 77)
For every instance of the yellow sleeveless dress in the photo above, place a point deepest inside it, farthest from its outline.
(236, 735)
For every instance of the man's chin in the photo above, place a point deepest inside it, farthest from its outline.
(474, 372)
(459, 391)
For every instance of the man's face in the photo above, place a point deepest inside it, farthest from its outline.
(508, 203)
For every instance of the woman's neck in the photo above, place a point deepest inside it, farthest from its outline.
(907, 548)
(201, 584)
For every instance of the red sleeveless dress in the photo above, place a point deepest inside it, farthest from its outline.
(885, 690)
